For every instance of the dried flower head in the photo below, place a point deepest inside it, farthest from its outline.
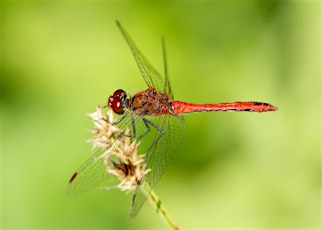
(105, 131)
(120, 152)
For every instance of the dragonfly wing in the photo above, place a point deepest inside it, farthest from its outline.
(88, 176)
(167, 85)
(139, 197)
(160, 152)
(150, 75)
(159, 155)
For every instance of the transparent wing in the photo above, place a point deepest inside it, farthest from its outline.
(88, 176)
(167, 85)
(150, 74)
(159, 155)
(159, 148)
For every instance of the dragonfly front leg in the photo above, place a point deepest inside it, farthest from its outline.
(133, 128)
(133, 133)
(147, 124)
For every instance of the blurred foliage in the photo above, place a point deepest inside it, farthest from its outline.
(233, 170)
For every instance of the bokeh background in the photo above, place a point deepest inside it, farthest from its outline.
(232, 171)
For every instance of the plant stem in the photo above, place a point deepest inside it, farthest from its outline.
(157, 204)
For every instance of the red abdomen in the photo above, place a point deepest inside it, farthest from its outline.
(179, 107)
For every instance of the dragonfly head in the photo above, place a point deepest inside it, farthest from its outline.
(117, 102)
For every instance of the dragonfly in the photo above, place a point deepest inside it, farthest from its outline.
(152, 108)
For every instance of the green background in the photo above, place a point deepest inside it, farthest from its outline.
(233, 170)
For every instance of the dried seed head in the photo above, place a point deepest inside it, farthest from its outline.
(105, 131)
(120, 152)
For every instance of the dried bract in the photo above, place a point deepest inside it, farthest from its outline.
(120, 151)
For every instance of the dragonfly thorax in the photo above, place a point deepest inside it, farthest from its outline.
(118, 101)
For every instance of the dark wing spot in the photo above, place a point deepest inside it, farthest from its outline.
(73, 177)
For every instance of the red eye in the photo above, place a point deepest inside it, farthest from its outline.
(117, 101)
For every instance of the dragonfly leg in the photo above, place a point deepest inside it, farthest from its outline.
(133, 134)
(145, 121)
(119, 120)
(149, 123)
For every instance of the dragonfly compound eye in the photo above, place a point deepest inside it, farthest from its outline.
(116, 102)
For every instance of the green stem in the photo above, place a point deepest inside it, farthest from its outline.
(157, 204)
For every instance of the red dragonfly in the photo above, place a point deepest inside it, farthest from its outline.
(153, 108)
